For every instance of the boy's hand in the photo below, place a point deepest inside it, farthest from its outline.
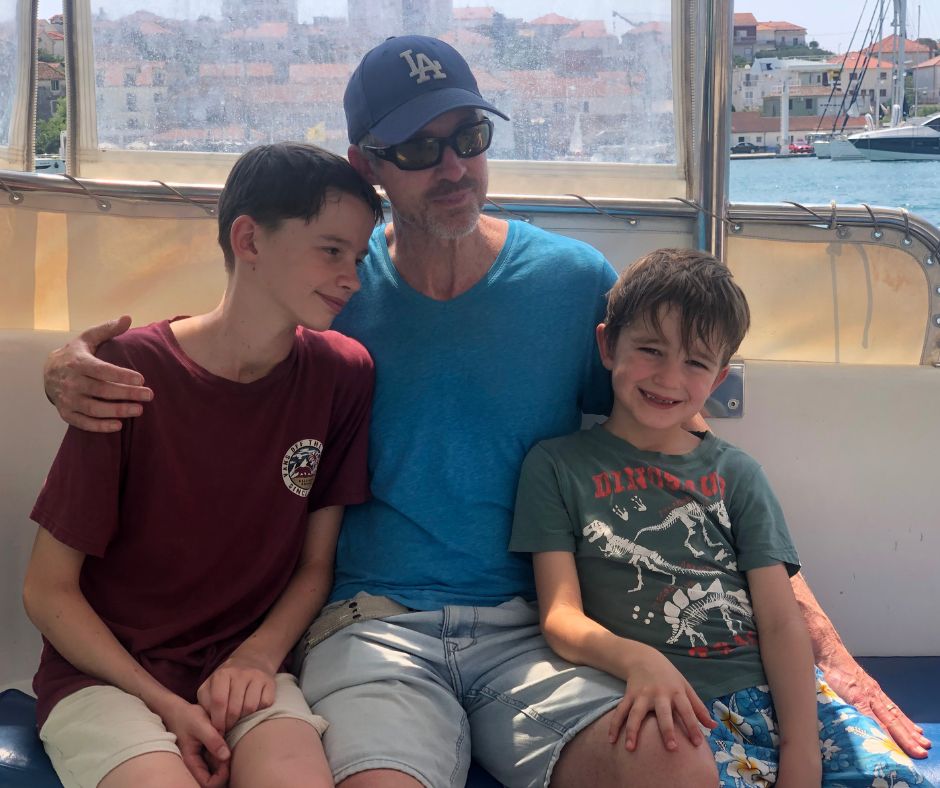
(204, 751)
(654, 685)
(89, 393)
(239, 686)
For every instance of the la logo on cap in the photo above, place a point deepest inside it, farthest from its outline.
(421, 65)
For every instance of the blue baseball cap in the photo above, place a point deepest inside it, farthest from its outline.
(403, 84)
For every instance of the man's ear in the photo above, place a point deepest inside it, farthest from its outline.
(721, 377)
(607, 358)
(361, 164)
(243, 238)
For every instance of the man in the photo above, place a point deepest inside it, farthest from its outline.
(482, 335)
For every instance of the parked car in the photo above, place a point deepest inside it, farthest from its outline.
(800, 147)
(744, 147)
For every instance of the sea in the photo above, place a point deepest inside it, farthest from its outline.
(914, 185)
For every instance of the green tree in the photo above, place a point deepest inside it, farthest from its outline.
(47, 131)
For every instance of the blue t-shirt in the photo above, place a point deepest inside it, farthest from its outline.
(464, 388)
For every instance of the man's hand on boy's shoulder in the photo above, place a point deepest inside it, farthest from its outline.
(91, 394)
(240, 686)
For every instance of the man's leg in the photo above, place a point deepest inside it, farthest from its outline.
(384, 687)
(538, 720)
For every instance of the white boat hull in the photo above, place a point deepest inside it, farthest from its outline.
(822, 149)
(840, 150)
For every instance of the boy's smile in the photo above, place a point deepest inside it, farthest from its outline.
(658, 384)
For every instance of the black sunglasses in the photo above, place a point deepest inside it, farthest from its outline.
(421, 153)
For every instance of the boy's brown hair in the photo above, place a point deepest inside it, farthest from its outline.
(712, 308)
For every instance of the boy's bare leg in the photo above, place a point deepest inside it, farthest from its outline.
(152, 770)
(281, 753)
(380, 778)
(590, 759)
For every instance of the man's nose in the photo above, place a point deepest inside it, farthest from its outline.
(452, 166)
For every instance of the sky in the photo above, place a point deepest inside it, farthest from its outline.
(829, 23)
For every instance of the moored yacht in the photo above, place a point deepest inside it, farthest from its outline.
(919, 139)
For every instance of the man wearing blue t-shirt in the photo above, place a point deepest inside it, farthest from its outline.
(482, 332)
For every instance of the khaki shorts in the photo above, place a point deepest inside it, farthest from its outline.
(98, 728)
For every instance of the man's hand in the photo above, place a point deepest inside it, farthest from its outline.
(238, 687)
(855, 686)
(88, 393)
(203, 749)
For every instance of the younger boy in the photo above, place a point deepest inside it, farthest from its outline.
(179, 559)
(662, 556)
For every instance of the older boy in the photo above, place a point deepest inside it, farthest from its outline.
(179, 560)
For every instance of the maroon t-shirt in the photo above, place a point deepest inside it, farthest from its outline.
(193, 515)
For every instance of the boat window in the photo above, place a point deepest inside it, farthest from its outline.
(591, 98)
(855, 303)
(13, 85)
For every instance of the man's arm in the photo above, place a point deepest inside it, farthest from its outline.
(89, 393)
(848, 679)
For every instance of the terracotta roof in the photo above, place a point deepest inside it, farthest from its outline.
(264, 30)
(780, 26)
(745, 20)
(591, 28)
(553, 19)
(546, 85)
(753, 122)
(890, 45)
(235, 70)
(152, 28)
(650, 27)
(55, 36)
(856, 60)
(304, 73)
(465, 38)
(48, 71)
(479, 13)
(934, 61)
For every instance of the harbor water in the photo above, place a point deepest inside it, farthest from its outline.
(914, 185)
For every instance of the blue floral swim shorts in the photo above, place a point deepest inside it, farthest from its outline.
(856, 753)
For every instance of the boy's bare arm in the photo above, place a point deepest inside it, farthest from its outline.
(654, 685)
(56, 605)
(89, 393)
(848, 678)
(788, 662)
(244, 683)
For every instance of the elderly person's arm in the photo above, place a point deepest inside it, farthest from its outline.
(848, 679)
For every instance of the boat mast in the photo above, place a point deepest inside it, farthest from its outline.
(897, 97)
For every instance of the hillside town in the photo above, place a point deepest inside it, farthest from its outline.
(575, 89)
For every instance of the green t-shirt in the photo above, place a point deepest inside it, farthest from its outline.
(661, 543)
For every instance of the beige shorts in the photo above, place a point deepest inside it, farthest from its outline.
(98, 728)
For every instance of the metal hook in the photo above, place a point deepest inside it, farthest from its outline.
(735, 227)
(209, 209)
(102, 203)
(906, 240)
(15, 197)
(833, 216)
(877, 233)
(521, 217)
(808, 210)
(631, 220)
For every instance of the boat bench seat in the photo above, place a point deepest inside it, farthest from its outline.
(914, 682)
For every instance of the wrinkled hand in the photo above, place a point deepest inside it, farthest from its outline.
(204, 750)
(654, 685)
(239, 686)
(89, 393)
(855, 686)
